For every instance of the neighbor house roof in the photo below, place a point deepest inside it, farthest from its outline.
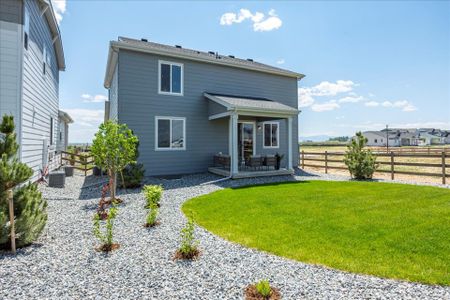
(54, 30)
(65, 117)
(179, 52)
(250, 104)
(379, 133)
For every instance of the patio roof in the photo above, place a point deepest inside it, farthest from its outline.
(250, 106)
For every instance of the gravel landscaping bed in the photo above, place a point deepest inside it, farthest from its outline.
(64, 265)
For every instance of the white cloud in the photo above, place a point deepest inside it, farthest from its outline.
(85, 125)
(94, 99)
(404, 105)
(351, 99)
(260, 22)
(280, 61)
(326, 106)
(306, 95)
(59, 8)
(372, 104)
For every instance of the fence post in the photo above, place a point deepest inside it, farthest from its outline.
(392, 165)
(326, 162)
(443, 168)
(9, 195)
(303, 159)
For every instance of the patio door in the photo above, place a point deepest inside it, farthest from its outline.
(246, 140)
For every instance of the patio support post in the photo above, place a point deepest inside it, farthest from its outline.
(234, 143)
(289, 143)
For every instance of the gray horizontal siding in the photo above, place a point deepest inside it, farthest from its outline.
(40, 91)
(11, 11)
(140, 103)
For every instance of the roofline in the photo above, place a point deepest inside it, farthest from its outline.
(56, 35)
(244, 109)
(65, 116)
(115, 46)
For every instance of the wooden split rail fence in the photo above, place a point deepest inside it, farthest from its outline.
(83, 162)
(389, 160)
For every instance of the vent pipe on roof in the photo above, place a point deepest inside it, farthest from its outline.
(178, 46)
(232, 56)
(144, 40)
(249, 59)
(211, 52)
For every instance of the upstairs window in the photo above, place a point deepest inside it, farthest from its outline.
(271, 134)
(170, 133)
(26, 28)
(170, 78)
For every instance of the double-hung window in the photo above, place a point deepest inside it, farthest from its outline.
(26, 28)
(170, 78)
(170, 133)
(271, 134)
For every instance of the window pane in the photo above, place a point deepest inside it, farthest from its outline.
(176, 79)
(274, 135)
(177, 134)
(267, 135)
(165, 78)
(163, 133)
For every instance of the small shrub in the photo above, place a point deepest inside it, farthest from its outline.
(189, 245)
(152, 195)
(263, 287)
(106, 236)
(262, 290)
(361, 162)
(132, 175)
(151, 216)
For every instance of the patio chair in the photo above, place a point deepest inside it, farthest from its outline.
(255, 161)
(270, 161)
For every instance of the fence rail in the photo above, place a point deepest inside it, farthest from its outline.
(84, 161)
(324, 157)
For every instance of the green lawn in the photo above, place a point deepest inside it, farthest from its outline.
(389, 230)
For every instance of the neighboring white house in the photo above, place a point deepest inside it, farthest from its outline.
(379, 139)
(31, 57)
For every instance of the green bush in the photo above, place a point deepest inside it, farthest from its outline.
(106, 237)
(132, 175)
(152, 195)
(263, 287)
(189, 245)
(361, 162)
(151, 216)
(30, 209)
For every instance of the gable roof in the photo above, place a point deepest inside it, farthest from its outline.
(56, 35)
(243, 103)
(179, 52)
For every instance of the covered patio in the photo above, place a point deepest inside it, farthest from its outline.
(260, 136)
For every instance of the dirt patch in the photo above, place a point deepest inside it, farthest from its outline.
(152, 225)
(107, 248)
(192, 256)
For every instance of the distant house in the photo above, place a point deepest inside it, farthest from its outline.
(31, 57)
(193, 110)
(408, 137)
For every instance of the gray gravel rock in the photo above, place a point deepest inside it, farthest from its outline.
(62, 264)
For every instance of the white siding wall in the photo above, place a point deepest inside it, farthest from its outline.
(10, 71)
(40, 92)
(113, 96)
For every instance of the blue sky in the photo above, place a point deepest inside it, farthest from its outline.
(367, 64)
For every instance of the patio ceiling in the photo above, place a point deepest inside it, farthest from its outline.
(250, 106)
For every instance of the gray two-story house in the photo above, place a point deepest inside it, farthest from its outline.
(195, 111)
(31, 57)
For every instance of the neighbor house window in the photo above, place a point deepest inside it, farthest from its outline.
(271, 134)
(26, 28)
(170, 78)
(170, 133)
(375, 140)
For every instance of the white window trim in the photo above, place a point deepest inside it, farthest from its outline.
(264, 135)
(157, 118)
(160, 62)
